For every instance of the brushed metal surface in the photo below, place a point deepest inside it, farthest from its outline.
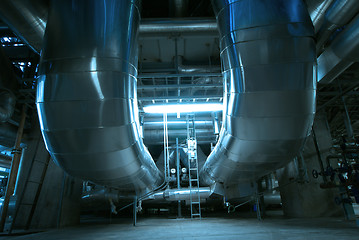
(340, 54)
(27, 19)
(317, 10)
(339, 14)
(268, 59)
(86, 96)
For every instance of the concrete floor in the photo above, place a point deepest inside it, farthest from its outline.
(207, 228)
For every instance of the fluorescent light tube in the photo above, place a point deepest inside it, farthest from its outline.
(183, 108)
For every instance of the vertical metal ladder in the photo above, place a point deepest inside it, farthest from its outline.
(195, 197)
(38, 185)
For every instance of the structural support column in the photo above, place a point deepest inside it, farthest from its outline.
(14, 169)
(178, 177)
(135, 211)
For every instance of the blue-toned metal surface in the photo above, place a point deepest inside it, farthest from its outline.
(339, 14)
(268, 64)
(86, 96)
(27, 19)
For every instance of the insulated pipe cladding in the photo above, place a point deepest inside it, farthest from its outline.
(86, 96)
(268, 61)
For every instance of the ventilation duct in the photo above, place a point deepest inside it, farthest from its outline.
(340, 54)
(317, 10)
(339, 14)
(177, 128)
(188, 69)
(86, 96)
(268, 58)
(178, 26)
(27, 19)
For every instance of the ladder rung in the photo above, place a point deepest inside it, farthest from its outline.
(195, 202)
(194, 179)
(196, 214)
(191, 169)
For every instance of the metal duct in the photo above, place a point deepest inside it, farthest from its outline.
(27, 19)
(177, 128)
(172, 26)
(268, 58)
(339, 14)
(8, 84)
(341, 53)
(174, 194)
(181, 194)
(181, 68)
(86, 96)
(154, 136)
(317, 9)
(181, 124)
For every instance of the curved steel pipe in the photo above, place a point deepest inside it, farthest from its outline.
(317, 10)
(339, 14)
(86, 96)
(340, 54)
(268, 56)
(155, 136)
(27, 19)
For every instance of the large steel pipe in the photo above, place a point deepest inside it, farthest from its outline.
(268, 58)
(155, 136)
(340, 54)
(339, 14)
(317, 10)
(27, 19)
(184, 194)
(86, 96)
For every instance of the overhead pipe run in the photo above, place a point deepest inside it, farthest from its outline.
(268, 58)
(86, 95)
(178, 26)
(339, 14)
(177, 128)
(317, 10)
(183, 194)
(340, 54)
(27, 19)
(188, 69)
